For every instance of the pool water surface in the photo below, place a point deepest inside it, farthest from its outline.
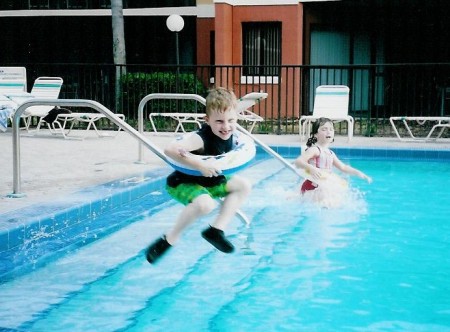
(378, 263)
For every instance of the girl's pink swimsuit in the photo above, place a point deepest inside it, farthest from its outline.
(323, 161)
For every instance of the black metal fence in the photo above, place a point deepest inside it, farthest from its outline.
(376, 91)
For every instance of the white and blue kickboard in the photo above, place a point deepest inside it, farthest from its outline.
(238, 158)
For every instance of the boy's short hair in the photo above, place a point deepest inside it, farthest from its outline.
(220, 99)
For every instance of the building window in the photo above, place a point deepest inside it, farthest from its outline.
(261, 48)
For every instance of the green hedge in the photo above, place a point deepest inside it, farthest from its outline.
(135, 86)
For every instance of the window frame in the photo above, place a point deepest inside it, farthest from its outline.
(267, 58)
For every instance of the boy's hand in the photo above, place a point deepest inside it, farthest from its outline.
(208, 169)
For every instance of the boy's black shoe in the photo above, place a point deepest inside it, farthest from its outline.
(217, 239)
(157, 249)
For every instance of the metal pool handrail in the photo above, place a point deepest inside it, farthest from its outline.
(153, 96)
(269, 150)
(66, 102)
(203, 101)
(110, 115)
(79, 103)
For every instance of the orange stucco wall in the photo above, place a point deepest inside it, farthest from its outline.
(228, 26)
(224, 34)
(204, 28)
(228, 48)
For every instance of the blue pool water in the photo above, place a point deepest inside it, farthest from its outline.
(379, 263)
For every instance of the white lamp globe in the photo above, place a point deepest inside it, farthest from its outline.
(175, 23)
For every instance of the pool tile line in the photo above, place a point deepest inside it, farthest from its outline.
(371, 152)
(21, 225)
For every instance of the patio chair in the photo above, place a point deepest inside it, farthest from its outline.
(437, 122)
(13, 80)
(331, 101)
(44, 88)
(13, 83)
(244, 105)
(180, 118)
(64, 118)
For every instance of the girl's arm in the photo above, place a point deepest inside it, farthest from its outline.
(350, 170)
(302, 162)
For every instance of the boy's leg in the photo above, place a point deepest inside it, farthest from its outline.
(238, 189)
(201, 205)
(157, 249)
(217, 238)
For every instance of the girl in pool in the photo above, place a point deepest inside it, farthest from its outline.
(318, 160)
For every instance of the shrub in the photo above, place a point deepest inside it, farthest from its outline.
(135, 86)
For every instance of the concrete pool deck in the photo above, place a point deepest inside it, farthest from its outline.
(52, 167)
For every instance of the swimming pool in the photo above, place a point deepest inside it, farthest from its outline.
(378, 264)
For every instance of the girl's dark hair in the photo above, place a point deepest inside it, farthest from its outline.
(311, 141)
(315, 129)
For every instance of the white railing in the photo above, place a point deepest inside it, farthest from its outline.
(153, 96)
(67, 103)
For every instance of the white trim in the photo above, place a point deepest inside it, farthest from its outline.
(183, 11)
(206, 11)
(199, 11)
(266, 2)
(259, 79)
(258, 2)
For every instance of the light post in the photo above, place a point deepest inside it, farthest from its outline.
(175, 23)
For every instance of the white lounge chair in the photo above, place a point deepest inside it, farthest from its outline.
(63, 119)
(244, 105)
(13, 83)
(331, 101)
(13, 80)
(181, 119)
(441, 122)
(44, 88)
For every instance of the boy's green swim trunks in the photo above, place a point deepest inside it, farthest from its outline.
(185, 193)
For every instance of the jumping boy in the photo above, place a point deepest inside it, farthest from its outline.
(199, 193)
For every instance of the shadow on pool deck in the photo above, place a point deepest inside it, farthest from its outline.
(52, 167)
